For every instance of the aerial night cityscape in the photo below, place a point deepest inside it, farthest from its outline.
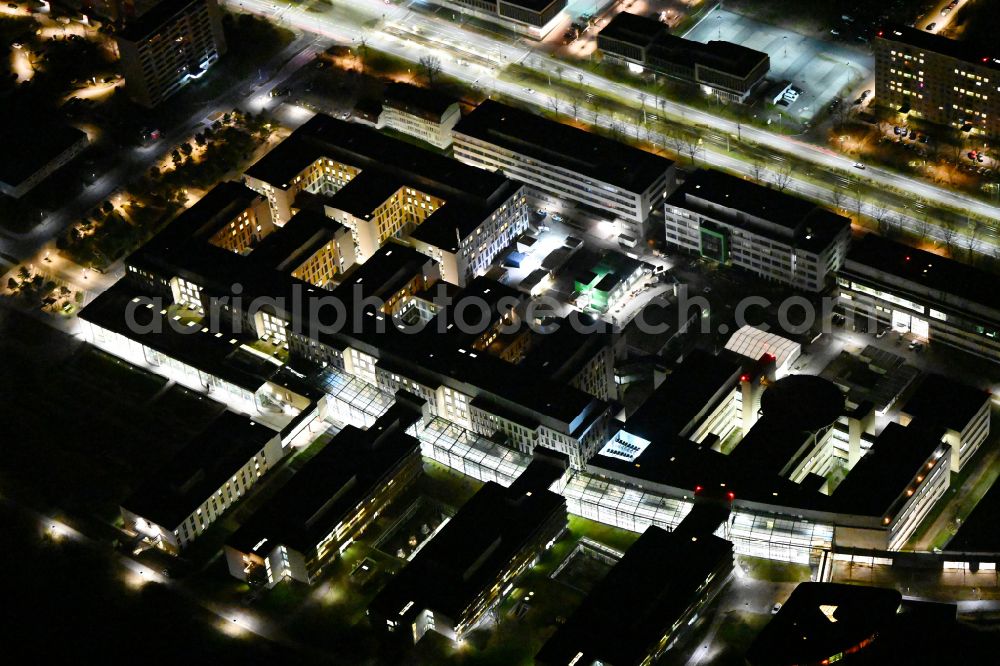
(500, 332)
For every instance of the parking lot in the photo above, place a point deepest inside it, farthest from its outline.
(820, 69)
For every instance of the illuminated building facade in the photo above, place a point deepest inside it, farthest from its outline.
(938, 79)
(776, 235)
(166, 48)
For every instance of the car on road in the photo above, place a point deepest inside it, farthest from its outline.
(913, 346)
(541, 212)
(859, 165)
(931, 26)
(556, 217)
(280, 92)
(775, 608)
(530, 91)
(543, 228)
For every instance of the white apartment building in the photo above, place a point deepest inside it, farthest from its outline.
(739, 223)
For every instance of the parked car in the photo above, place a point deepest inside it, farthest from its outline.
(931, 26)
(859, 165)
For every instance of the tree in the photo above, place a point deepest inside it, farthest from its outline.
(782, 178)
(431, 66)
(574, 105)
(12, 284)
(883, 220)
(757, 171)
(186, 148)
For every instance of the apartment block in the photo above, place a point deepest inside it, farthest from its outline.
(169, 46)
(937, 79)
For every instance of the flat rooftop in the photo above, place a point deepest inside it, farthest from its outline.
(418, 101)
(216, 352)
(684, 394)
(930, 271)
(637, 602)
(731, 199)
(364, 147)
(921, 39)
(199, 469)
(820, 620)
(351, 467)
(469, 552)
(28, 148)
(564, 146)
(882, 475)
(945, 402)
(287, 246)
(633, 29)
(151, 21)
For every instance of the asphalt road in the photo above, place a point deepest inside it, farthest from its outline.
(478, 59)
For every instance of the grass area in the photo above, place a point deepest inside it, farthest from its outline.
(613, 537)
(775, 571)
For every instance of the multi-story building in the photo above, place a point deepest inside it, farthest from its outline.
(32, 154)
(659, 600)
(962, 411)
(560, 162)
(380, 187)
(166, 48)
(422, 113)
(331, 501)
(730, 71)
(937, 79)
(534, 18)
(921, 293)
(765, 231)
(208, 476)
(903, 475)
(473, 561)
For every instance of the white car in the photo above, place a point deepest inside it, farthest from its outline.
(859, 165)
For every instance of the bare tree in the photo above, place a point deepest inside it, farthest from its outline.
(684, 142)
(948, 233)
(837, 194)
(882, 217)
(554, 102)
(559, 72)
(574, 105)
(431, 66)
(782, 178)
(757, 171)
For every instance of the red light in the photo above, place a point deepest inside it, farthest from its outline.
(744, 378)
(769, 357)
(907, 257)
(880, 33)
(731, 495)
(697, 489)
